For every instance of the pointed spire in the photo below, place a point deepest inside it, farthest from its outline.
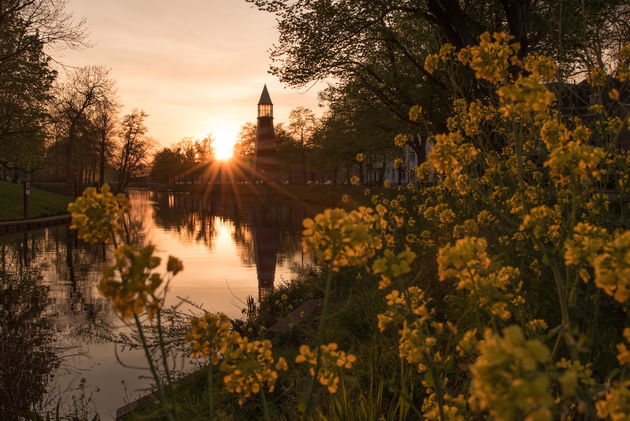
(264, 97)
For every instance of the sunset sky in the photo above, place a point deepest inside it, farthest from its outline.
(195, 66)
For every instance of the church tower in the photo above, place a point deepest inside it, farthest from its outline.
(266, 162)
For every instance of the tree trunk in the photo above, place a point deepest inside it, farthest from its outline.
(101, 174)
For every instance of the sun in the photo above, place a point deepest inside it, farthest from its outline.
(224, 140)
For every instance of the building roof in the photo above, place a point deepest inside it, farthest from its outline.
(264, 97)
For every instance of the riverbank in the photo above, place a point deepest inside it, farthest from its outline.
(41, 203)
(312, 193)
(351, 313)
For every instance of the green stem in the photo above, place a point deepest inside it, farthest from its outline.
(147, 354)
(264, 401)
(308, 391)
(210, 397)
(162, 348)
(436, 383)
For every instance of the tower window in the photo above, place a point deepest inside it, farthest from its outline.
(265, 110)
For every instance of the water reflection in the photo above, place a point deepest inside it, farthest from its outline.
(27, 355)
(55, 328)
(267, 231)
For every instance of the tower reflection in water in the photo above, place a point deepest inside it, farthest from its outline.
(267, 230)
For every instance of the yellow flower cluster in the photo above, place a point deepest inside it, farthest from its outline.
(400, 140)
(492, 58)
(98, 216)
(574, 373)
(623, 352)
(541, 66)
(575, 161)
(616, 404)
(331, 361)
(392, 265)
(507, 380)
(468, 342)
(612, 268)
(468, 118)
(340, 238)
(411, 302)
(452, 408)
(467, 262)
(585, 244)
(410, 313)
(526, 95)
(543, 222)
(451, 154)
(249, 367)
(135, 291)
(209, 335)
(415, 113)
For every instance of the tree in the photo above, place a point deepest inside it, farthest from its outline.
(378, 47)
(134, 148)
(103, 128)
(302, 123)
(245, 146)
(77, 98)
(167, 164)
(37, 23)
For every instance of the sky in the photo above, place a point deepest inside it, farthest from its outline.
(195, 66)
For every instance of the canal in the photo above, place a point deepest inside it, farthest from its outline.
(60, 342)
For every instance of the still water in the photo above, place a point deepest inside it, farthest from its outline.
(56, 332)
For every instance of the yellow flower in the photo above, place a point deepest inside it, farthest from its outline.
(354, 179)
(393, 265)
(331, 361)
(209, 335)
(135, 291)
(612, 268)
(398, 163)
(360, 157)
(575, 162)
(400, 140)
(613, 94)
(468, 342)
(451, 154)
(249, 366)
(623, 352)
(492, 58)
(98, 216)
(616, 404)
(415, 113)
(431, 63)
(387, 183)
(452, 408)
(341, 238)
(585, 244)
(467, 262)
(506, 378)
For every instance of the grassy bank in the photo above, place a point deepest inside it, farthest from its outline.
(351, 323)
(40, 202)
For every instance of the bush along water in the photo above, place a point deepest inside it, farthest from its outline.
(498, 291)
